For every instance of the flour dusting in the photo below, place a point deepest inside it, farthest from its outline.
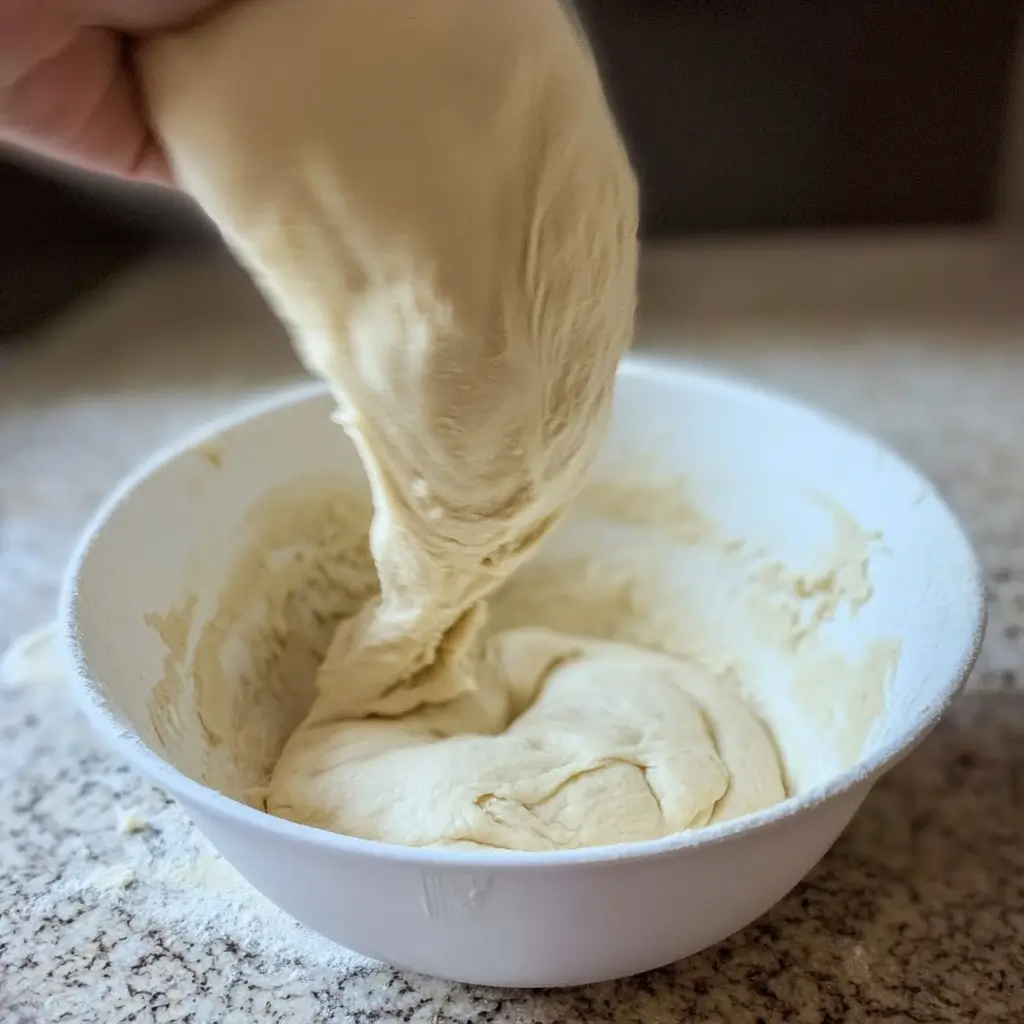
(189, 889)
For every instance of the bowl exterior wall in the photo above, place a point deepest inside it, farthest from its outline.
(522, 926)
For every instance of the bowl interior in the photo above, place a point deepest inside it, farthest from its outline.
(795, 559)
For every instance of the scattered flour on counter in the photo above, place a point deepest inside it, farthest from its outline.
(167, 873)
(190, 890)
(33, 659)
(130, 821)
(112, 878)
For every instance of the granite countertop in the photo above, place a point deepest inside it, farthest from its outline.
(916, 915)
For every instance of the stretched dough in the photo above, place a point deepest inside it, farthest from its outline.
(434, 196)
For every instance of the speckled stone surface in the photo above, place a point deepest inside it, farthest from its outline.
(917, 914)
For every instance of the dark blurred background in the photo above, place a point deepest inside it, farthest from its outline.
(742, 116)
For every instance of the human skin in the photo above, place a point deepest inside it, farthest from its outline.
(67, 83)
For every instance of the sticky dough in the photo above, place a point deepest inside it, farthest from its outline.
(434, 197)
(607, 743)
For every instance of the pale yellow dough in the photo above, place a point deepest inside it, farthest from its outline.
(435, 198)
(567, 742)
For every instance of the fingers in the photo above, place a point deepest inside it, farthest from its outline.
(81, 104)
(67, 87)
(30, 32)
(138, 17)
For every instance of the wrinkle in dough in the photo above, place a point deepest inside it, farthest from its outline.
(435, 199)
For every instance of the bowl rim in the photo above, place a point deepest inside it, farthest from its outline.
(681, 372)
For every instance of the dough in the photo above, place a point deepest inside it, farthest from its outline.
(567, 742)
(434, 197)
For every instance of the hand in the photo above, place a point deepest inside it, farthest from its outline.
(67, 85)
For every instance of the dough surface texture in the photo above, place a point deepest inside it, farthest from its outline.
(567, 742)
(434, 197)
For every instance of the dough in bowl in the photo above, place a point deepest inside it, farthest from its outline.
(435, 198)
(566, 742)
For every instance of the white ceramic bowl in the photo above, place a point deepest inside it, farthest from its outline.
(770, 472)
